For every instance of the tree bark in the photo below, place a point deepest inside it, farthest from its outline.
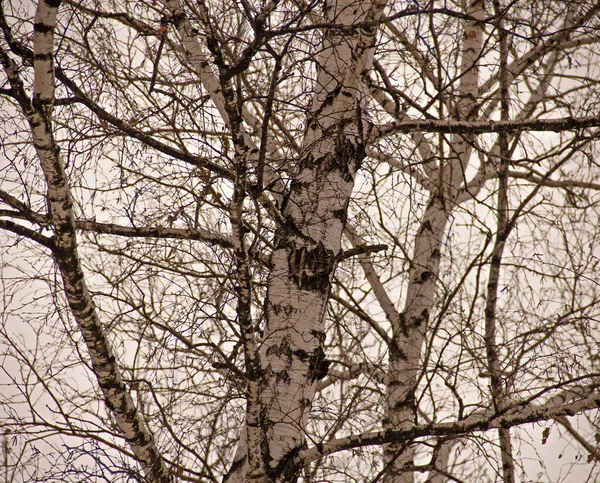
(64, 243)
(309, 242)
(411, 329)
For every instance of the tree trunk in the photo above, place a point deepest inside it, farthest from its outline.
(309, 242)
(411, 330)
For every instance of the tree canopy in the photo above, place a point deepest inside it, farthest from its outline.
(299, 240)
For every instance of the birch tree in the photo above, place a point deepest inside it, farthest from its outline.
(278, 241)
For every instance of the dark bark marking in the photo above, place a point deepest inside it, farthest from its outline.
(286, 309)
(408, 401)
(423, 318)
(318, 366)
(426, 226)
(305, 402)
(288, 468)
(341, 215)
(235, 466)
(417, 321)
(301, 354)
(348, 156)
(396, 353)
(319, 334)
(282, 350)
(310, 268)
(44, 29)
(45, 55)
(282, 376)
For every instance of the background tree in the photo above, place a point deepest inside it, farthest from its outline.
(281, 240)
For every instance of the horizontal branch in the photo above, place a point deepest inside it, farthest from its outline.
(515, 416)
(153, 232)
(361, 250)
(353, 371)
(478, 127)
(20, 230)
(24, 212)
(563, 183)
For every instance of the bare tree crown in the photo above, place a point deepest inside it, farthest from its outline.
(289, 240)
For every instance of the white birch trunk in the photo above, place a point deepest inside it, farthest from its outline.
(411, 331)
(64, 243)
(310, 241)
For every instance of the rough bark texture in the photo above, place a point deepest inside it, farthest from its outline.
(39, 115)
(310, 240)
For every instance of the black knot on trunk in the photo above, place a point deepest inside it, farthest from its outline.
(310, 268)
(318, 366)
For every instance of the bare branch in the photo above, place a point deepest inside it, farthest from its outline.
(479, 127)
(478, 422)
